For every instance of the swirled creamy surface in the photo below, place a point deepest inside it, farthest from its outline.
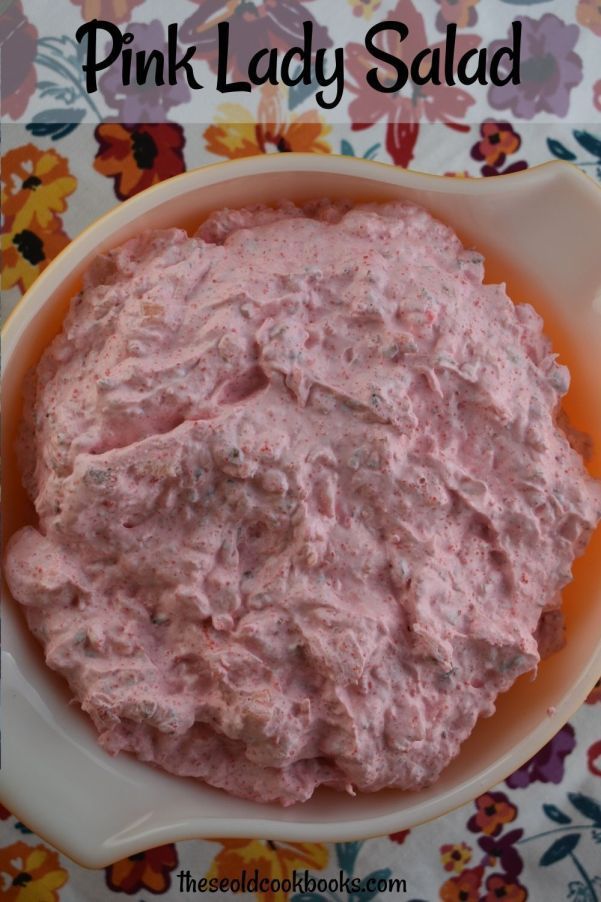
(304, 506)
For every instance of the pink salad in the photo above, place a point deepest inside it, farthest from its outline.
(305, 507)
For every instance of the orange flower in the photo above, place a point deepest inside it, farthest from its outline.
(149, 870)
(36, 183)
(498, 140)
(237, 134)
(137, 156)
(588, 13)
(113, 10)
(463, 888)
(30, 873)
(455, 857)
(26, 253)
(271, 860)
(493, 809)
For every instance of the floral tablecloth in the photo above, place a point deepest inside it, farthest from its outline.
(538, 835)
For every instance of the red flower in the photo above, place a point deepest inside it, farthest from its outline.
(493, 810)
(399, 837)
(463, 888)
(503, 848)
(149, 870)
(515, 167)
(594, 758)
(137, 156)
(4, 813)
(500, 886)
(594, 695)
(403, 111)
(18, 76)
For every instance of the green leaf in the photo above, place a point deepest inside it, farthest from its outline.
(560, 849)
(55, 123)
(300, 92)
(558, 150)
(586, 806)
(554, 814)
(346, 855)
(589, 142)
(346, 148)
(371, 152)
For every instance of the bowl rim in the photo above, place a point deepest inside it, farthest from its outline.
(464, 790)
(470, 184)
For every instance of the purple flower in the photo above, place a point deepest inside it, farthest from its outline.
(549, 69)
(149, 102)
(502, 847)
(547, 766)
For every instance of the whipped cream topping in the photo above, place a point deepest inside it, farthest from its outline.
(305, 507)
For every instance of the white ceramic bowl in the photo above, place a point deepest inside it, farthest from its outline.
(539, 230)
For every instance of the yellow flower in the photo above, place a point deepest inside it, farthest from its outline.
(274, 861)
(454, 858)
(26, 253)
(364, 8)
(30, 873)
(35, 185)
(236, 133)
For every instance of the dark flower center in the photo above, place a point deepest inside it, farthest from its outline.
(500, 893)
(539, 68)
(22, 879)
(490, 810)
(31, 183)
(494, 139)
(30, 246)
(283, 146)
(456, 855)
(144, 150)
(464, 895)
(137, 857)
